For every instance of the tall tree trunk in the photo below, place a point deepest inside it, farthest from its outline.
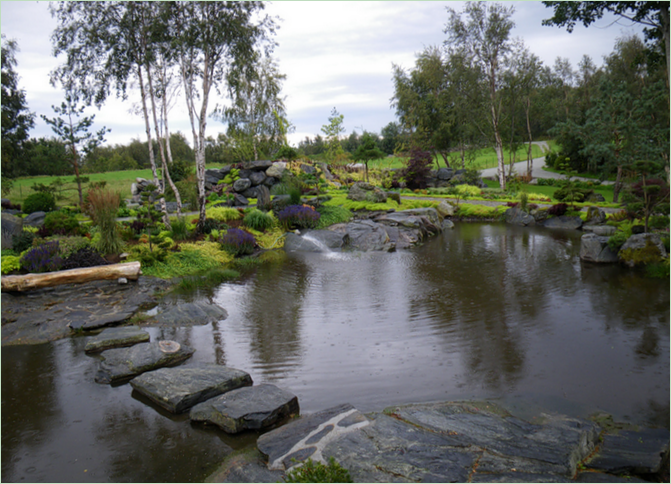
(618, 184)
(501, 163)
(530, 160)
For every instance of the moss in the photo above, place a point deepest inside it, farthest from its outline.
(649, 254)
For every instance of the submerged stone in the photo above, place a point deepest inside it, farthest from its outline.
(179, 389)
(248, 408)
(190, 314)
(563, 222)
(123, 363)
(116, 338)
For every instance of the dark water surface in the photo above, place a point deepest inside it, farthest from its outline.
(483, 311)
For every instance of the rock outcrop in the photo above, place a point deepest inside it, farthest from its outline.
(594, 248)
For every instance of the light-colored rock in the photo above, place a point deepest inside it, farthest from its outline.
(11, 226)
(445, 209)
(276, 169)
(594, 248)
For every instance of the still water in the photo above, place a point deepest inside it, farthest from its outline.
(483, 311)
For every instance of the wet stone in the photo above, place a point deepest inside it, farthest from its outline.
(179, 389)
(190, 314)
(124, 363)
(636, 452)
(116, 338)
(248, 408)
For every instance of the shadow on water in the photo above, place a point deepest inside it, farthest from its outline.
(482, 311)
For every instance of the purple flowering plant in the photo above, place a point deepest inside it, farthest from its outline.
(238, 242)
(298, 217)
(43, 258)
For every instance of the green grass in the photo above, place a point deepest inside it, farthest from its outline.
(343, 201)
(485, 158)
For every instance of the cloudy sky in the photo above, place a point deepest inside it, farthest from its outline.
(334, 54)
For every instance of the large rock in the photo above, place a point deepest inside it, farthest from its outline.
(276, 169)
(594, 248)
(179, 389)
(366, 192)
(35, 219)
(445, 209)
(10, 227)
(517, 216)
(263, 198)
(248, 408)
(239, 200)
(563, 222)
(629, 452)
(257, 178)
(642, 249)
(241, 184)
(313, 241)
(124, 363)
(257, 165)
(595, 216)
(444, 173)
(116, 338)
(364, 235)
(308, 169)
(603, 230)
(190, 314)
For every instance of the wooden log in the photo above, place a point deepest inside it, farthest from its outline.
(129, 270)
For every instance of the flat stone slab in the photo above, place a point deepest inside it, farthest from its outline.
(179, 389)
(632, 452)
(247, 408)
(120, 364)
(116, 338)
(189, 314)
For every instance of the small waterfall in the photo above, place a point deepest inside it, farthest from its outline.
(323, 248)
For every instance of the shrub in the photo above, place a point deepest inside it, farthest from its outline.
(223, 214)
(69, 244)
(558, 209)
(330, 214)
(417, 169)
(22, 241)
(10, 263)
(210, 225)
(43, 258)
(258, 220)
(39, 202)
(617, 240)
(312, 471)
(572, 193)
(84, 257)
(238, 242)
(468, 190)
(659, 222)
(298, 217)
(289, 185)
(103, 205)
(61, 223)
(179, 229)
(524, 201)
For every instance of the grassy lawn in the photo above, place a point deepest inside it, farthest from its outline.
(485, 158)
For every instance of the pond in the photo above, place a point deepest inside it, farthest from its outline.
(482, 311)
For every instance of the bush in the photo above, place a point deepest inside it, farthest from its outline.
(298, 217)
(43, 258)
(312, 471)
(179, 229)
(69, 244)
(39, 202)
(659, 222)
(617, 240)
(223, 214)
(258, 220)
(468, 190)
(10, 263)
(22, 241)
(84, 257)
(417, 169)
(61, 223)
(238, 242)
(558, 209)
(330, 214)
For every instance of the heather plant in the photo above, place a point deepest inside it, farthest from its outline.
(238, 242)
(298, 217)
(103, 205)
(43, 258)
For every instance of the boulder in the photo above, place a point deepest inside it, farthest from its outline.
(325, 170)
(190, 314)
(595, 216)
(314, 241)
(641, 452)
(257, 165)
(642, 249)
(603, 230)
(517, 216)
(540, 215)
(362, 191)
(179, 389)
(10, 227)
(257, 178)
(563, 222)
(35, 219)
(447, 224)
(241, 184)
(595, 197)
(247, 408)
(445, 209)
(444, 173)
(594, 248)
(367, 235)
(270, 181)
(308, 169)
(116, 338)
(250, 193)
(239, 200)
(395, 196)
(120, 364)
(276, 169)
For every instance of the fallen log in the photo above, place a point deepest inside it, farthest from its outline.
(129, 270)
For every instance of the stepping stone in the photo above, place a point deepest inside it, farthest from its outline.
(190, 314)
(307, 436)
(85, 320)
(125, 363)
(179, 389)
(632, 452)
(248, 408)
(116, 338)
